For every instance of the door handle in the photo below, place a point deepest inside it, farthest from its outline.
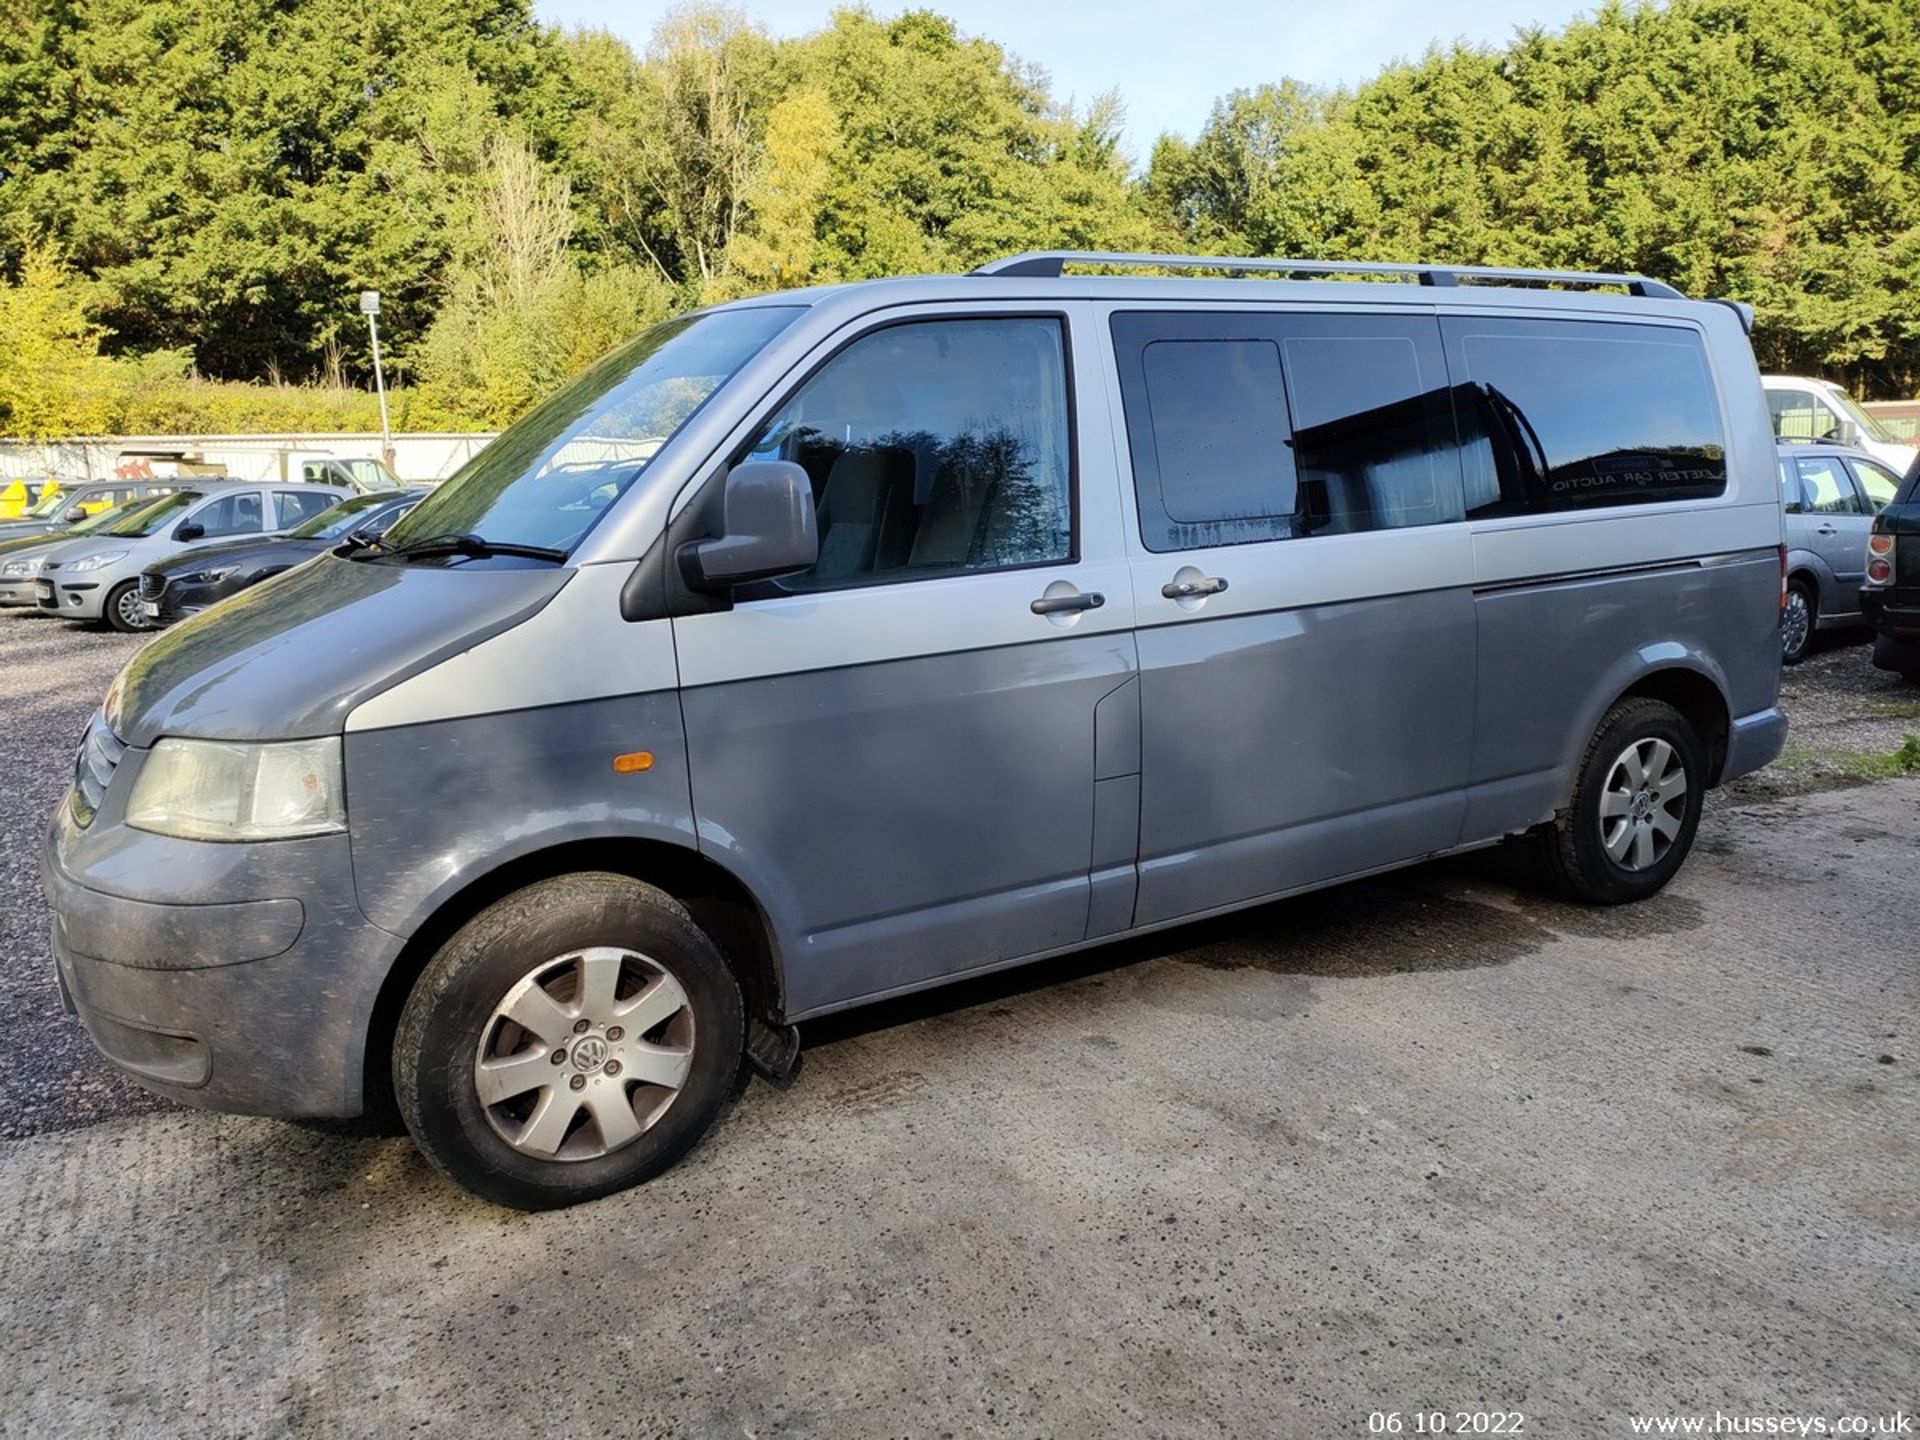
(1828, 530)
(1068, 604)
(1193, 589)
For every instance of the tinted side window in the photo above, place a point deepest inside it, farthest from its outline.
(1573, 415)
(1265, 427)
(231, 515)
(934, 447)
(292, 506)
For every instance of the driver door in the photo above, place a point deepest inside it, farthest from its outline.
(896, 749)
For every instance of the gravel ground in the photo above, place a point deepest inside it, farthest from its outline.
(1847, 718)
(52, 675)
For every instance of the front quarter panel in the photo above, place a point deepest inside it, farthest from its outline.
(433, 807)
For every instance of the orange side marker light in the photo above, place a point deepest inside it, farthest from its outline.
(633, 762)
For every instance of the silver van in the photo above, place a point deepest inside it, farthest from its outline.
(832, 645)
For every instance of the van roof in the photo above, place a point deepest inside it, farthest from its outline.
(1224, 278)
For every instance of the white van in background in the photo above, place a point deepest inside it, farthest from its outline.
(1807, 409)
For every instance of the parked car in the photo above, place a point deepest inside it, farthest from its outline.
(97, 577)
(188, 583)
(20, 556)
(1807, 409)
(19, 496)
(361, 474)
(1830, 494)
(61, 508)
(1890, 594)
(944, 624)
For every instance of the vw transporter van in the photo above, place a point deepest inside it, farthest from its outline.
(827, 646)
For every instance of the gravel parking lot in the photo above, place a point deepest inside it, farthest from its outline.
(1428, 1142)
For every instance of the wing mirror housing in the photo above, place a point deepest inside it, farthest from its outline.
(768, 528)
(190, 530)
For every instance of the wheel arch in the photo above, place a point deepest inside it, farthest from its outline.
(1677, 674)
(1699, 697)
(720, 903)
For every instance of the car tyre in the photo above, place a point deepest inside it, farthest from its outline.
(122, 608)
(1635, 809)
(1799, 617)
(571, 956)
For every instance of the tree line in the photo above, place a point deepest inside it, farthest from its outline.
(193, 192)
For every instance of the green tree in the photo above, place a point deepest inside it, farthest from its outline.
(53, 381)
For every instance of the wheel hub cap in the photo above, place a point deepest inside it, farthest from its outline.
(1643, 804)
(584, 1054)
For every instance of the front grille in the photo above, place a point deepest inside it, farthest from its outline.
(46, 565)
(152, 586)
(99, 756)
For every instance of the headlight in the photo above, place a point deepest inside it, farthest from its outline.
(19, 567)
(224, 790)
(94, 562)
(207, 577)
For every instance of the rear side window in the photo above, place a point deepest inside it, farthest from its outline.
(935, 447)
(1249, 427)
(1879, 483)
(1562, 415)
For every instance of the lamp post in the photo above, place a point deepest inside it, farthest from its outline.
(370, 307)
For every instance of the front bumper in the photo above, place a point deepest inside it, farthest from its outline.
(76, 600)
(237, 977)
(18, 591)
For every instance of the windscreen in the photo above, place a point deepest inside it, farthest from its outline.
(150, 519)
(338, 519)
(1869, 426)
(552, 475)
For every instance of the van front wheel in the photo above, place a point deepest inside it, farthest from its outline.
(1636, 806)
(573, 1039)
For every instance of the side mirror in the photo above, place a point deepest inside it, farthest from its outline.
(190, 530)
(769, 528)
(73, 514)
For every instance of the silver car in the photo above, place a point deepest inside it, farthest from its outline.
(1830, 494)
(97, 577)
(829, 646)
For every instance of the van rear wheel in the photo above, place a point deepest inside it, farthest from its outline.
(1636, 807)
(571, 1040)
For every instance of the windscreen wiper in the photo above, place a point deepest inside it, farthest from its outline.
(477, 546)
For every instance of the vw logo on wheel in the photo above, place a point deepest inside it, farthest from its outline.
(589, 1053)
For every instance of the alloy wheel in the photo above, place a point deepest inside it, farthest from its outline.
(584, 1054)
(1643, 805)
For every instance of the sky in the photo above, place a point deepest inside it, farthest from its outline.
(1169, 61)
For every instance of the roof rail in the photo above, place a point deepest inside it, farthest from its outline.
(1050, 264)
